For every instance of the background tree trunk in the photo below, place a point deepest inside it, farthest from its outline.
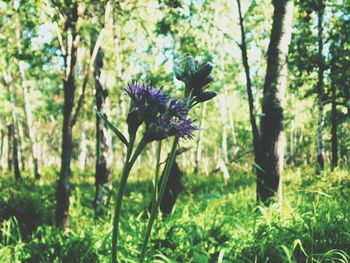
(243, 47)
(200, 138)
(334, 137)
(63, 186)
(104, 158)
(15, 154)
(29, 119)
(320, 85)
(83, 149)
(2, 135)
(270, 158)
(27, 106)
(9, 147)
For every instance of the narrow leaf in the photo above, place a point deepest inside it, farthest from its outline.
(114, 129)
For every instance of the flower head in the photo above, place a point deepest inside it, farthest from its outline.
(183, 128)
(136, 92)
(177, 109)
(163, 116)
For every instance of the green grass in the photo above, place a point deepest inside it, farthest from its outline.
(213, 221)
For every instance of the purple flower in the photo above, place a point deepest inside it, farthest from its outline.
(177, 109)
(163, 116)
(136, 92)
(183, 128)
(154, 95)
(168, 125)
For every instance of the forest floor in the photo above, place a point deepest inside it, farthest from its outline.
(214, 221)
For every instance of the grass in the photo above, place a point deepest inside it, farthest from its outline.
(214, 221)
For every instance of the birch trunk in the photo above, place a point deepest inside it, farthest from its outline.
(27, 106)
(9, 147)
(320, 86)
(334, 138)
(249, 86)
(104, 157)
(200, 138)
(29, 119)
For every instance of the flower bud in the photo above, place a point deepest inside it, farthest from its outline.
(190, 66)
(205, 96)
(178, 71)
(198, 85)
(203, 71)
(134, 120)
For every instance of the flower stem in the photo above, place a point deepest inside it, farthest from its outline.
(156, 175)
(155, 207)
(125, 174)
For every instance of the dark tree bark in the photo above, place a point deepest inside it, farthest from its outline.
(13, 152)
(270, 152)
(15, 155)
(172, 189)
(243, 47)
(320, 87)
(103, 177)
(70, 60)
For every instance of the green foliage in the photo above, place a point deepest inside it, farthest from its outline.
(213, 220)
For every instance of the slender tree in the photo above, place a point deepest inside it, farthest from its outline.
(70, 50)
(103, 176)
(27, 105)
(249, 86)
(9, 147)
(270, 152)
(69, 41)
(334, 138)
(320, 87)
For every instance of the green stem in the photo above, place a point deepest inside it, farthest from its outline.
(154, 210)
(156, 175)
(125, 174)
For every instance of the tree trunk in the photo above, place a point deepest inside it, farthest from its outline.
(63, 185)
(20, 142)
(15, 155)
(27, 106)
(83, 149)
(223, 113)
(2, 148)
(104, 158)
(292, 134)
(9, 147)
(270, 158)
(320, 85)
(13, 129)
(334, 138)
(200, 138)
(243, 47)
(29, 119)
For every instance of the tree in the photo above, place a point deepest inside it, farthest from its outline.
(104, 157)
(252, 115)
(320, 87)
(270, 152)
(27, 105)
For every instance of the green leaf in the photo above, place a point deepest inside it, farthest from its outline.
(114, 129)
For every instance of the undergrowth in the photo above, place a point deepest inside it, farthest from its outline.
(214, 220)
